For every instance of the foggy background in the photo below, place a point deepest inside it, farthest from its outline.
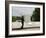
(19, 11)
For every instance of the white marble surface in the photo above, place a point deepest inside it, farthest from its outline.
(30, 24)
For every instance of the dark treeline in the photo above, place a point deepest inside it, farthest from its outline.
(36, 15)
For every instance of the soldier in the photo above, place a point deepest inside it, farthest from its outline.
(22, 22)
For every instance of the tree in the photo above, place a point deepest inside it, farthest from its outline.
(13, 18)
(36, 15)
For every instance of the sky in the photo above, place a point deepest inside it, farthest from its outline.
(19, 11)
